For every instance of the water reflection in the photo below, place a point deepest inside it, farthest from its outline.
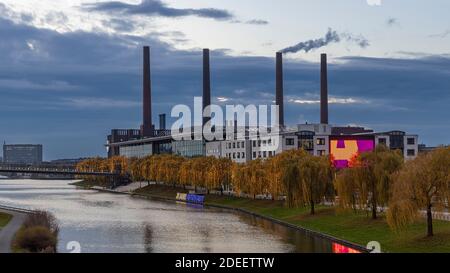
(303, 242)
(148, 237)
(103, 222)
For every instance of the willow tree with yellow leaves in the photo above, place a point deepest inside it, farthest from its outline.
(238, 177)
(423, 184)
(219, 174)
(117, 164)
(315, 175)
(369, 179)
(256, 178)
(347, 189)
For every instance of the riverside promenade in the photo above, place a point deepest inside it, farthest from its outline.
(7, 233)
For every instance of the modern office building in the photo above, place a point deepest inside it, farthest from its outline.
(28, 154)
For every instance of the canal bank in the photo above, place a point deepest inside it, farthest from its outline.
(7, 232)
(345, 226)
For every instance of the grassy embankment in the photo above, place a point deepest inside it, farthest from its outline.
(358, 228)
(4, 219)
(86, 184)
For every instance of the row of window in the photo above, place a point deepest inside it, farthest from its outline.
(125, 132)
(234, 145)
(269, 142)
(264, 154)
(212, 151)
(263, 143)
(320, 141)
(409, 141)
(321, 152)
(237, 155)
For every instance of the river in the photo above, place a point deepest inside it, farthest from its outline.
(103, 222)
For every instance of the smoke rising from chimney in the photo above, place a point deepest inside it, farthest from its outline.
(331, 36)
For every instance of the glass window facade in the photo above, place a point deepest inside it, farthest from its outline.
(320, 141)
(22, 154)
(189, 148)
(290, 141)
(306, 140)
(138, 151)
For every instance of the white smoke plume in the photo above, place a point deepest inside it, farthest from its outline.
(331, 36)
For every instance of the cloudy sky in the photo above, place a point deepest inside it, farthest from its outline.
(70, 70)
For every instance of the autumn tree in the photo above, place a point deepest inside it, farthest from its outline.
(347, 189)
(370, 178)
(423, 184)
(291, 184)
(315, 175)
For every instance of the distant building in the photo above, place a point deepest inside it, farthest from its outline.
(64, 163)
(22, 154)
(425, 149)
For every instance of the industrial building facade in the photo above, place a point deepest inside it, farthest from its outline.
(27, 154)
(318, 139)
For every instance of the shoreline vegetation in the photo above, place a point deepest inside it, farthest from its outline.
(5, 218)
(297, 185)
(38, 234)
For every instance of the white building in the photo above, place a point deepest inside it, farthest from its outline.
(314, 138)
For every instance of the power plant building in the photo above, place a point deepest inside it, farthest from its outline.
(340, 143)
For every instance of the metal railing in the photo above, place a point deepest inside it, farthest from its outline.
(53, 170)
(21, 210)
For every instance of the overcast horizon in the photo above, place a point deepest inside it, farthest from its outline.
(70, 71)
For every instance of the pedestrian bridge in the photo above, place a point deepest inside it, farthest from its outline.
(59, 171)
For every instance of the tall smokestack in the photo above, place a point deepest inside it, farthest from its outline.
(279, 88)
(162, 122)
(323, 90)
(206, 83)
(147, 126)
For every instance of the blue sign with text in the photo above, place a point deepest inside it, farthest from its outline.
(197, 199)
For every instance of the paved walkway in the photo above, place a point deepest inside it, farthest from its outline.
(131, 187)
(7, 232)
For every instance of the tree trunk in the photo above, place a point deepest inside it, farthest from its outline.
(374, 201)
(312, 207)
(354, 203)
(429, 222)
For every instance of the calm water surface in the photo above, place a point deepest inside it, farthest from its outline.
(103, 222)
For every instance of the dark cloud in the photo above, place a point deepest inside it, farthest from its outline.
(157, 8)
(67, 90)
(331, 36)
